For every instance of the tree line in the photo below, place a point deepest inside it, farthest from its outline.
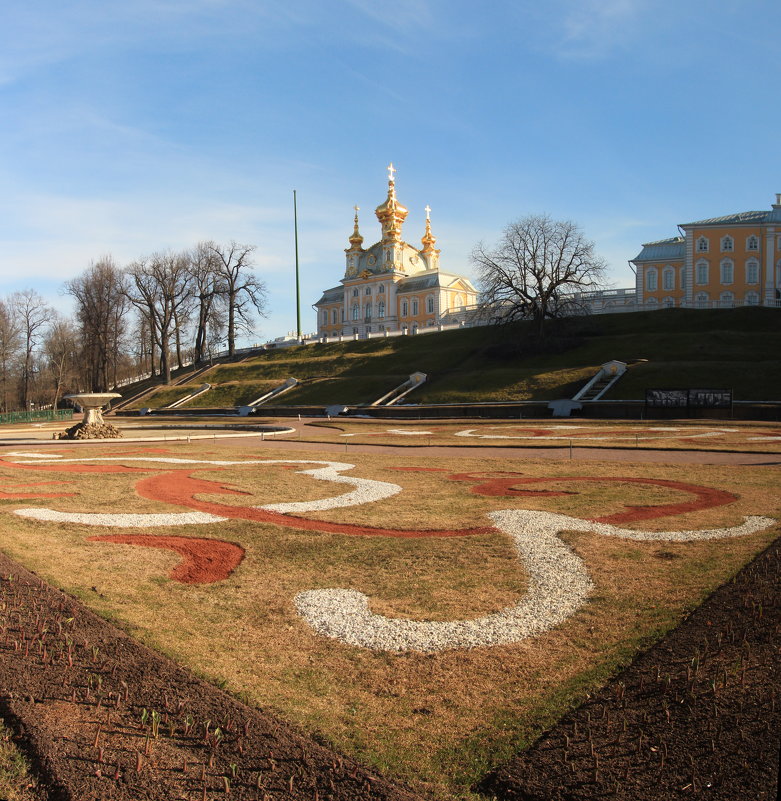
(162, 310)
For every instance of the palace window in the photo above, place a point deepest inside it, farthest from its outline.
(355, 292)
(356, 311)
(701, 300)
(381, 309)
(727, 300)
(368, 290)
(727, 271)
(414, 307)
(368, 311)
(727, 243)
(430, 305)
(333, 316)
(752, 272)
(381, 290)
(683, 278)
(752, 243)
(668, 302)
(702, 245)
(701, 272)
(650, 279)
(342, 315)
(325, 317)
(752, 299)
(404, 308)
(668, 278)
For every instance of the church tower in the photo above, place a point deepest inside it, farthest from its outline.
(391, 215)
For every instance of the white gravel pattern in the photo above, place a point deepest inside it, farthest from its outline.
(120, 520)
(365, 491)
(470, 432)
(558, 587)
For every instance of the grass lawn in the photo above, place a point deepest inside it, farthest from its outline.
(437, 719)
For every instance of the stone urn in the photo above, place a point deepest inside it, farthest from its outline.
(92, 425)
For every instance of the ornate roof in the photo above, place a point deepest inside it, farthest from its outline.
(662, 250)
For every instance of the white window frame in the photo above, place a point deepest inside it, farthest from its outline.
(727, 272)
(430, 304)
(651, 279)
(700, 268)
(703, 245)
(701, 300)
(415, 307)
(727, 300)
(727, 244)
(405, 308)
(381, 309)
(752, 265)
(752, 242)
(752, 299)
(668, 278)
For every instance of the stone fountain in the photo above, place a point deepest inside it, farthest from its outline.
(92, 425)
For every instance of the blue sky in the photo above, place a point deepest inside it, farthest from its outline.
(127, 128)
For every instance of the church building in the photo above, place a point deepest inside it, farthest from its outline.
(392, 286)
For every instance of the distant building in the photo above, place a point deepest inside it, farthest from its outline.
(392, 287)
(715, 263)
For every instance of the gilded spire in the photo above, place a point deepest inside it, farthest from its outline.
(356, 240)
(429, 240)
(391, 213)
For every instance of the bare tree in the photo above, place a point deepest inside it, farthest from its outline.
(537, 269)
(242, 292)
(207, 287)
(10, 345)
(101, 309)
(61, 354)
(33, 313)
(158, 287)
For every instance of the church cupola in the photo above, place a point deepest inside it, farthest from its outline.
(356, 240)
(430, 253)
(391, 213)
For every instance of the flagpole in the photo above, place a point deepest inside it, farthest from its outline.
(298, 292)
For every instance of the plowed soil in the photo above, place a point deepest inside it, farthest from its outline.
(103, 717)
(696, 715)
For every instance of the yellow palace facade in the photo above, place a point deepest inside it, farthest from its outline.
(392, 287)
(720, 262)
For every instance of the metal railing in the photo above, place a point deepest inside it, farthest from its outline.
(41, 415)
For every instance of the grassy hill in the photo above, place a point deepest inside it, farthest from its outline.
(730, 348)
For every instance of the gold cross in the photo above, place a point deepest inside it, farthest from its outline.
(391, 170)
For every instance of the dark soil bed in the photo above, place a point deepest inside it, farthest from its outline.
(697, 714)
(103, 717)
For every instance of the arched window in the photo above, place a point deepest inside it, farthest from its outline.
(727, 244)
(701, 272)
(703, 245)
(414, 328)
(752, 299)
(342, 315)
(651, 279)
(430, 305)
(356, 311)
(404, 308)
(752, 271)
(726, 300)
(325, 317)
(701, 300)
(668, 279)
(752, 243)
(727, 271)
(368, 290)
(652, 303)
(381, 309)
(368, 311)
(333, 316)
(415, 307)
(668, 302)
(381, 289)
(355, 292)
